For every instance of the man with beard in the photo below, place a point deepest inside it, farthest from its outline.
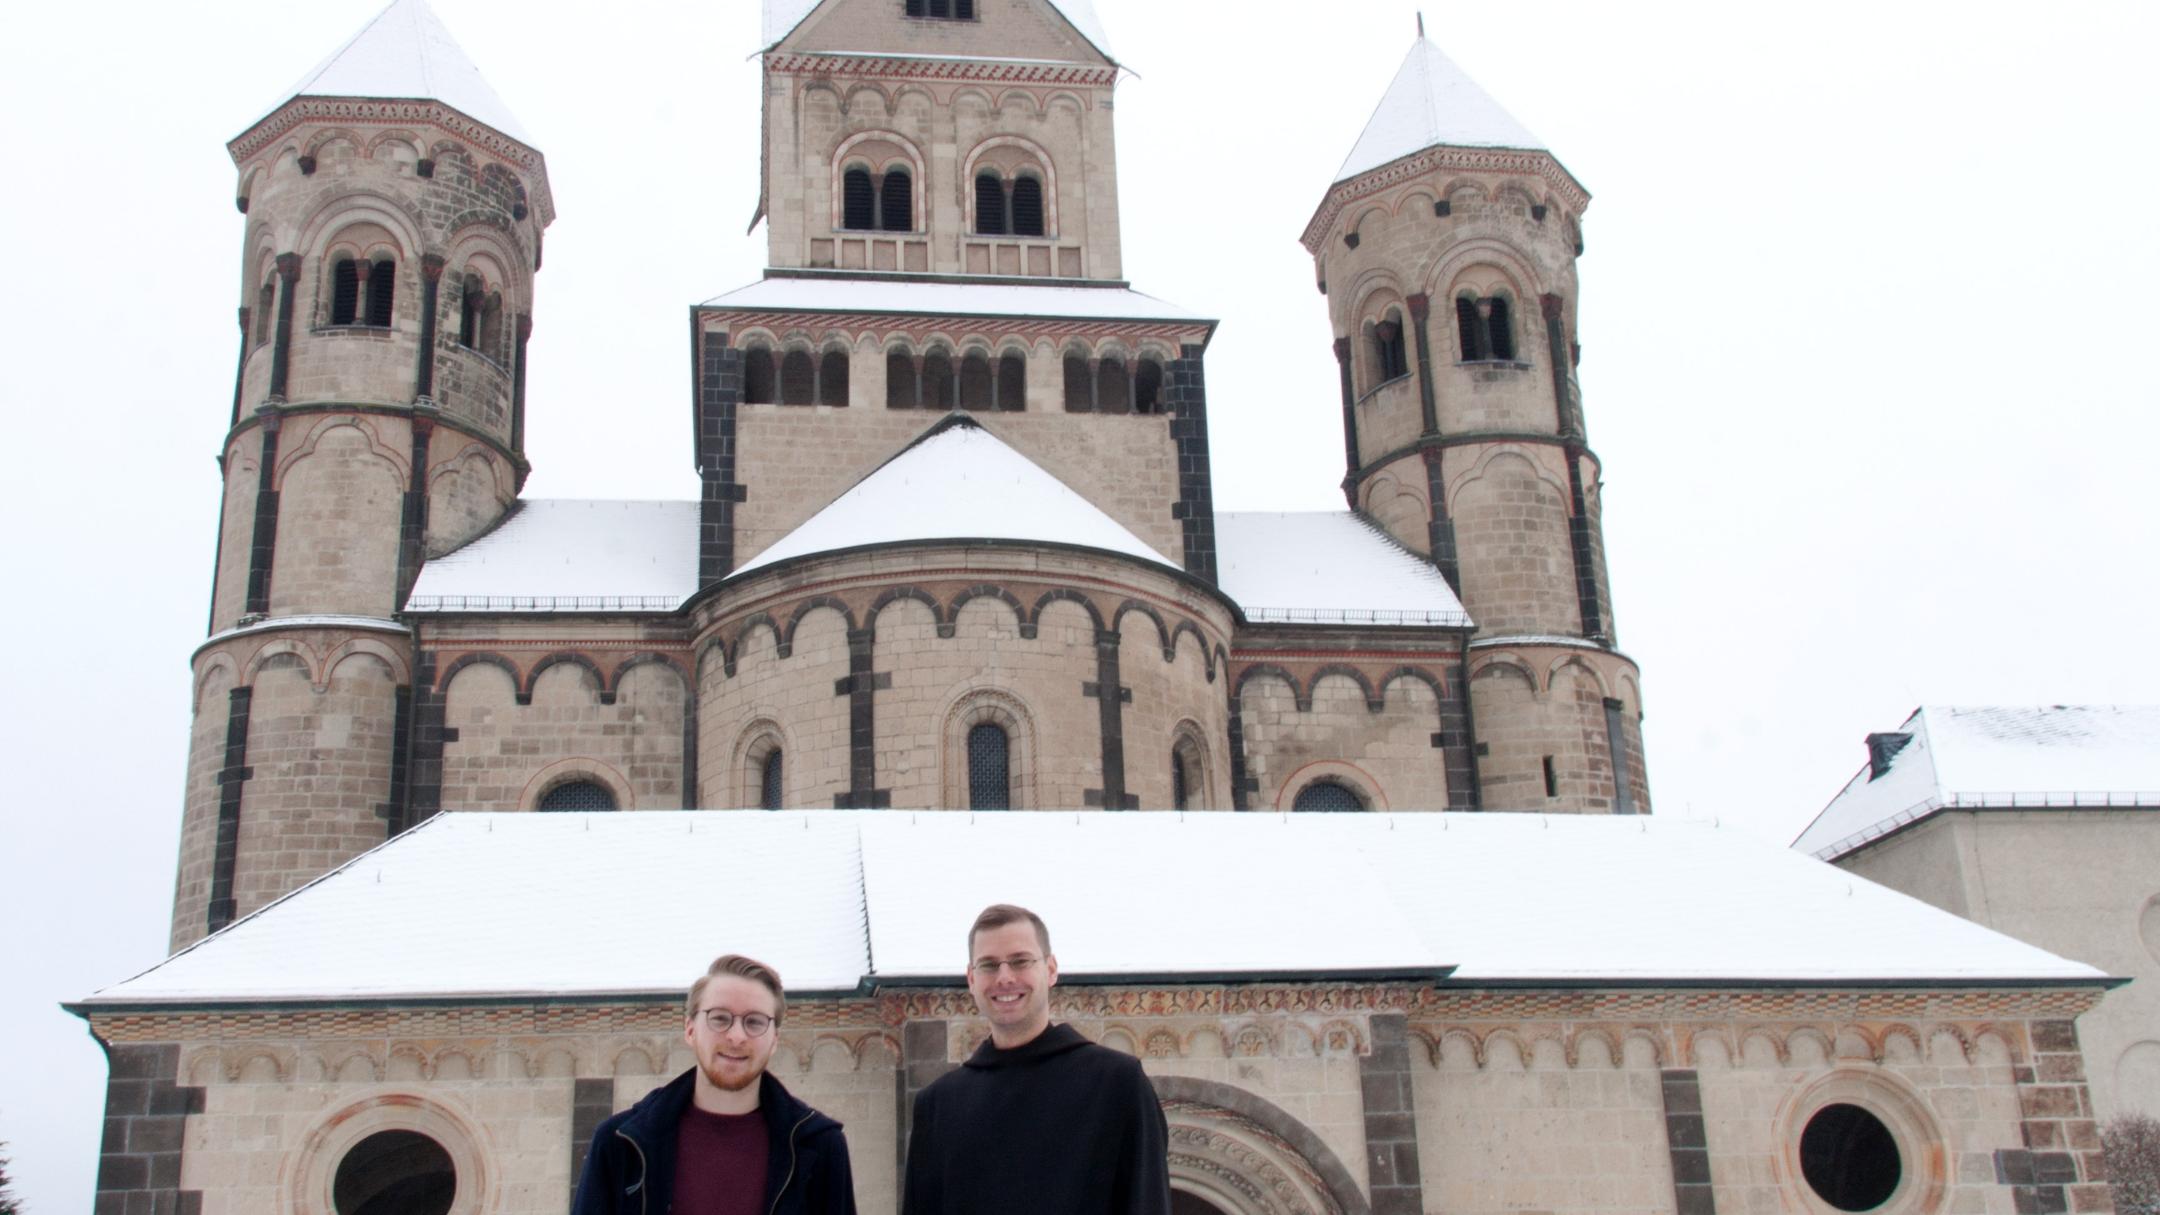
(723, 1138)
(1039, 1119)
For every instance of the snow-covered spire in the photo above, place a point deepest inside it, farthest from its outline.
(405, 53)
(1434, 103)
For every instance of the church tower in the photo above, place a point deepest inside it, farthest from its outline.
(1447, 249)
(394, 219)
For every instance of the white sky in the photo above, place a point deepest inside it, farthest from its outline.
(1864, 302)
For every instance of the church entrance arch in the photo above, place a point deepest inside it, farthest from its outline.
(1234, 1153)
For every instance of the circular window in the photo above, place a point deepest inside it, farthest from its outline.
(578, 795)
(395, 1173)
(1327, 795)
(1849, 1158)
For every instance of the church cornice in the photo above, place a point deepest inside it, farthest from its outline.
(900, 67)
(922, 326)
(474, 134)
(1540, 165)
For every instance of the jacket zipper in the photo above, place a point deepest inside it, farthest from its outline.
(790, 1178)
(644, 1170)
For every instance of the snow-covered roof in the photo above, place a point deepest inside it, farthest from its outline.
(2044, 757)
(835, 293)
(957, 482)
(835, 899)
(1326, 567)
(782, 16)
(406, 53)
(1432, 103)
(554, 555)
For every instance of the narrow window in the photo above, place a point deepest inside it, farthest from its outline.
(265, 307)
(1079, 385)
(578, 795)
(832, 385)
(1469, 329)
(896, 201)
(1012, 382)
(963, 10)
(769, 782)
(1185, 780)
(976, 389)
(858, 201)
(1500, 333)
(1327, 796)
(902, 391)
(938, 386)
(1113, 387)
(344, 292)
(1390, 352)
(490, 343)
(990, 205)
(381, 292)
(1552, 779)
(798, 378)
(941, 8)
(989, 767)
(1616, 746)
(1178, 791)
(760, 384)
(469, 309)
(918, 8)
(1027, 206)
(1147, 387)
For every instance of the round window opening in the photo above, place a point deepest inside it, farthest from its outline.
(395, 1173)
(1850, 1159)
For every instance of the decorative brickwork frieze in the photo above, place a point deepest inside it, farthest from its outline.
(346, 111)
(1441, 159)
(1391, 1139)
(146, 1111)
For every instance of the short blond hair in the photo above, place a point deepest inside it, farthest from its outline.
(742, 968)
(998, 915)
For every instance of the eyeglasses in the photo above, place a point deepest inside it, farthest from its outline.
(988, 967)
(720, 1020)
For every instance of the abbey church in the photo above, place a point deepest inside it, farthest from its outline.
(956, 552)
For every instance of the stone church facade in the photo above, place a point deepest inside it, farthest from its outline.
(946, 295)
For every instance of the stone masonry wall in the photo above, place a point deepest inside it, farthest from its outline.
(1386, 755)
(508, 754)
(339, 504)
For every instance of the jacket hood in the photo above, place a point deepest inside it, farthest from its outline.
(1056, 1040)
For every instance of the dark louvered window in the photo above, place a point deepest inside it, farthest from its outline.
(769, 782)
(1113, 388)
(953, 10)
(1500, 332)
(1027, 207)
(937, 381)
(976, 389)
(1327, 796)
(470, 312)
(1012, 382)
(963, 10)
(578, 795)
(1469, 329)
(1147, 387)
(989, 205)
(901, 388)
(832, 385)
(989, 768)
(798, 378)
(381, 292)
(918, 8)
(896, 201)
(760, 384)
(1391, 354)
(1079, 385)
(858, 201)
(344, 292)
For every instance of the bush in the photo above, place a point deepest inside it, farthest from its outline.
(8, 1203)
(2132, 1143)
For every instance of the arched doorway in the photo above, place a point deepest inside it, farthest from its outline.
(1234, 1153)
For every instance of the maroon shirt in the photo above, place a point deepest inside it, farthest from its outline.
(720, 1164)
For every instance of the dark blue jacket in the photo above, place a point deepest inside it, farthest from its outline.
(631, 1168)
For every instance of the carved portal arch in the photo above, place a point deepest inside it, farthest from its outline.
(1244, 1156)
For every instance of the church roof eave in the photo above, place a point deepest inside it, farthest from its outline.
(784, 17)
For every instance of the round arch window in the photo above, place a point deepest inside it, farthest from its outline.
(1327, 796)
(395, 1173)
(1849, 1158)
(577, 795)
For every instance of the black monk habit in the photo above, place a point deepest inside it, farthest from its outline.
(1059, 1126)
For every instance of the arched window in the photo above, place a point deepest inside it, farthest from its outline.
(345, 292)
(990, 205)
(1113, 388)
(1147, 387)
(395, 1173)
(943, 10)
(381, 292)
(1391, 355)
(1027, 206)
(976, 389)
(896, 201)
(761, 383)
(1012, 382)
(1079, 385)
(472, 306)
(1187, 782)
(491, 343)
(578, 795)
(989, 761)
(1469, 329)
(833, 378)
(1327, 795)
(769, 782)
(798, 378)
(902, 390)
(938, 387)
(858, 201)
(1499, 329)
(1486, 329)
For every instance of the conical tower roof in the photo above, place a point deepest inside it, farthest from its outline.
(1434, 103)
(405, 53)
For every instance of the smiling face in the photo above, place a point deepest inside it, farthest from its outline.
(730, 1061)
(1015, 999)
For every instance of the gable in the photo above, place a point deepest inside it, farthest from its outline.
(1059, 31)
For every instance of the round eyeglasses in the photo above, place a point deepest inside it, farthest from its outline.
(989, 967)
(720, 1020)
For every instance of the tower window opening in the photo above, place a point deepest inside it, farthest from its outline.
(832, 378)
(977, 390)
(265, 313)
(989, 760)
(1079, 385)
(1552, 778)
(939, 386)
(942, 10)
(1147, 387)
(1327, 796)
(1485, 329)
(896, 201)
(1185, 778)
(381, 292)
(769, 782)
(990, 205)
(1178, 791)
(1113, 387)
(858, 201)
(1391, 354)
(1027, 206)
(471, 306)
(345, 292)
(577, 795)
(1500, 333)
(760, 384)
(491, 343)
(1012, 382)
(903, 390)
(1470, 330)
(798, 378)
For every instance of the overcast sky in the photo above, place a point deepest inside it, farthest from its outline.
(1865, 318)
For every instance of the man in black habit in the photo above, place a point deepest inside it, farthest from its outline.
(1039, 1120)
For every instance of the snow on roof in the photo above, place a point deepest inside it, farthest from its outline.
(834, 293)
(406, 53)
(837, 898)
(2049, 757)
(782, 16)
(1432, 103)
(570, 555)
(957, 482)
(1327, 567)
